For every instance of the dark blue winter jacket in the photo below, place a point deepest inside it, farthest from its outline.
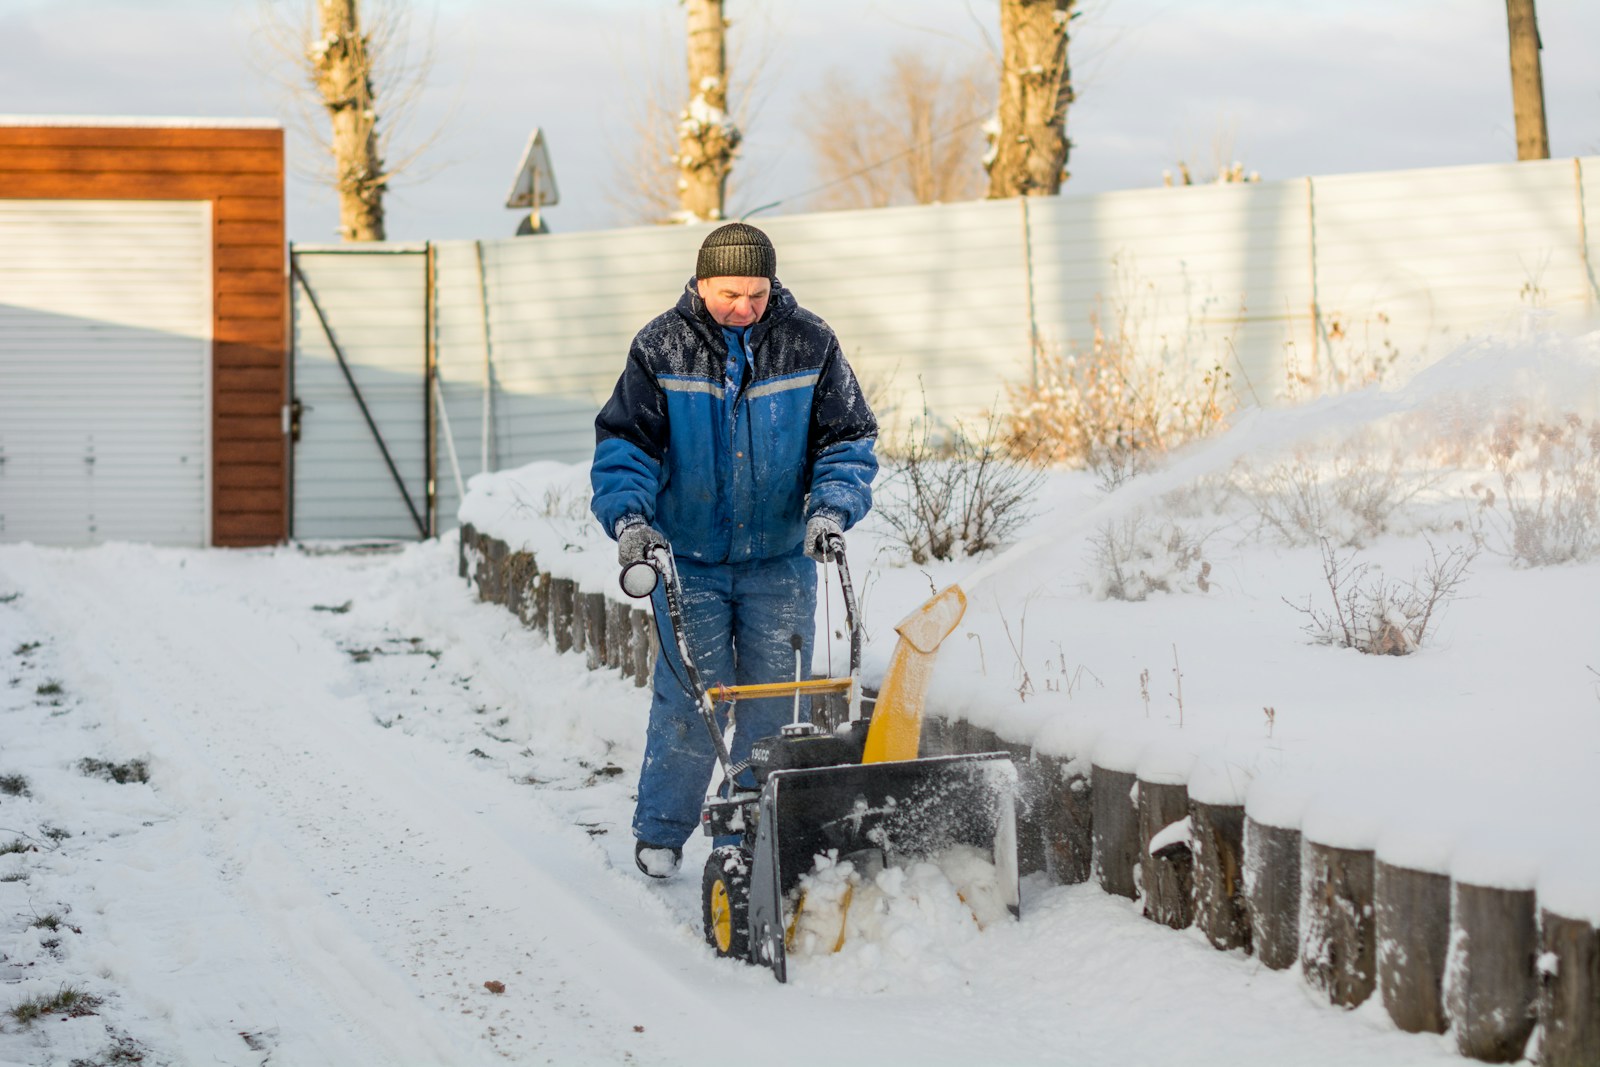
(731, 482)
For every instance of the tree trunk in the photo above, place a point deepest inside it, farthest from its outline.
(1272, 891)
(1338, 949)
(1116, 831)
(1029, 154)
(707, 137)
(1489, 979)
(1527, 81)
(1218, 845)
(1569, 1005)
(342, 71)
(1413, 939)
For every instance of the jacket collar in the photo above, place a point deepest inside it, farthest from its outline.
(780, 306)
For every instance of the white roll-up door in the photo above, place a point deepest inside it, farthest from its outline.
(105, 371)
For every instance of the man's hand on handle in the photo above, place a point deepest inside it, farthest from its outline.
(636, 540)
(821, 529)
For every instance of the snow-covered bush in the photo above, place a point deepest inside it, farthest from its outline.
(1380, 616)
(954, 497)
(1137, 555)
(1548, 510)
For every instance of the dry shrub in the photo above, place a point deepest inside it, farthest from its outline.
(1112, 409)
(955, 496)
(1378, 616)
(1549, 509)
(1351, 493)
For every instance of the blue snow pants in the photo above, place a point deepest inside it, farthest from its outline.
(737, 619)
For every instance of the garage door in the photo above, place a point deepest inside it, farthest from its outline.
(105, 371)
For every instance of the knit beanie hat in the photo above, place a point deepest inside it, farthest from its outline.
(736, 250)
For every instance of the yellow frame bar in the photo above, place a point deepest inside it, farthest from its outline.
(778, 689)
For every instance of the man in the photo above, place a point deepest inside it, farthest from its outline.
(737, 434)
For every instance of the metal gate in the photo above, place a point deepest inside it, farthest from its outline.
(362, 425)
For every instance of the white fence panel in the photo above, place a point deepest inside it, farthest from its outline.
(1289, 286)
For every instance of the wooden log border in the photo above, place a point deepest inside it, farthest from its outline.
(1486, 962)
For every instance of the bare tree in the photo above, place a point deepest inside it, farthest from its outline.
(707, 138)
(1028, 155)
(1527, 81)
(911, 139)
(346, 56)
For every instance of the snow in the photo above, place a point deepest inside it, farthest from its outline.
(355, 817)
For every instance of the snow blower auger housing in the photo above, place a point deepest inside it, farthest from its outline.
(858, 794)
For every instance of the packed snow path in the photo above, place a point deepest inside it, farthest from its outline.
(369, 796)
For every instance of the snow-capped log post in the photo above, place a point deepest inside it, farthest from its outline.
(521, 575)
(1067, 819)
(562, 592)
(1272, 891)
(1489, 984)
(1569, 1000)
(1217, 832)
(644, 646)
(467, 540)
(1165, 859)
(1413, 930)
(1338, 947)
(493, 586)
(592, 624)
(619, 636)
(538, 616)
(1116, 830)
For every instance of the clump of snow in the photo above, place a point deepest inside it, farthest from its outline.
(862, 919)
(1569, 885)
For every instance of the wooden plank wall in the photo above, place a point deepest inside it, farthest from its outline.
(240, 170)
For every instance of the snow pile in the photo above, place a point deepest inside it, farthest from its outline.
(871, 925)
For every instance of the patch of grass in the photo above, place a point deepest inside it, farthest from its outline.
(19, 876)
(123, 1049)
(7, 598)
(14, 846)
(135, 770)
(51, 688)
(25, 648)
(54, 833)
(54, 923)
(14, 785)
(68, 1001)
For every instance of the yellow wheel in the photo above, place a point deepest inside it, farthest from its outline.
(725, 900)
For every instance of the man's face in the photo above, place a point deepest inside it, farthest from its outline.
(736, 302)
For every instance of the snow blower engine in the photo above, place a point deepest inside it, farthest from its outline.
(858, 794)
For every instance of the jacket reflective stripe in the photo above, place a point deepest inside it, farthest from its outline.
(693, 385)
(779, 385)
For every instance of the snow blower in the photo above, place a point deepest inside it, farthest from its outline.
(859, 794)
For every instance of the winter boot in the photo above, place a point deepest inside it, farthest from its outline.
(657, 861)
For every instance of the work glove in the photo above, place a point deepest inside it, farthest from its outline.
(636, 540)
(820, 529)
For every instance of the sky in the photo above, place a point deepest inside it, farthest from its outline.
(1288, 89)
